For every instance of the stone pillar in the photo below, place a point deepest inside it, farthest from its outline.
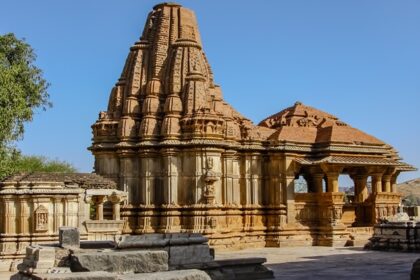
(386, 183)
(100, 207)
(360, 187)
(394, 182)
(116, 200)
(317, 182)
(289, 183)
(376, 182)
(332, 185)
(116, 211)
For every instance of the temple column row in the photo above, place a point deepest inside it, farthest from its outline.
(380, 183)
(116, 208)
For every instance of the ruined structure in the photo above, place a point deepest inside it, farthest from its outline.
(191, 163)
(34, 205)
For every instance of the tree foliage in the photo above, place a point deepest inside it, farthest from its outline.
(41, 164)
(22, 90)
(22, 87)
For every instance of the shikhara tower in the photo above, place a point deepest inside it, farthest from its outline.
(191, 163)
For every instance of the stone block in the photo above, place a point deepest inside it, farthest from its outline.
(142, 241)
(180, 255)
(120, 261)
(186, 238)
(96, 275)
(415, 270)
(188, 274)
(69, 237)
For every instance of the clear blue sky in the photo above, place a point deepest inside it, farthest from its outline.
(359, 60)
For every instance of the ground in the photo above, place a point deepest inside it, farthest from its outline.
(326, 263)
(331, 263)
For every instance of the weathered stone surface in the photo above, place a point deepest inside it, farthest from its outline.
(69, 237)
(37, 259)
(415, 271)
(180, 255)
(95, 275)
(189, 274)
(395, 236)
(120, 261)
(157, 240)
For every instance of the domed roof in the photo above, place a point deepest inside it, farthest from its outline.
(301, 123)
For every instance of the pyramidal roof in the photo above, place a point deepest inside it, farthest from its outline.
(302, 123)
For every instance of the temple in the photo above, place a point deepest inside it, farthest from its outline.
(191, 163)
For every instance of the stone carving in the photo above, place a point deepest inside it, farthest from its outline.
(41, 218)
(210, 178)
(180, 109)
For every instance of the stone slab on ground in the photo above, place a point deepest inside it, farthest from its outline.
(188, 274)
(69, 237)
(120, 261)
(95, 275)
(159, 240)
(180, 255)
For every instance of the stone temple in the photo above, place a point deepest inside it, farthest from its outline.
(172, 156)
(191, 163)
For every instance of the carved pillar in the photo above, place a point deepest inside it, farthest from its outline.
(289, 185)
(100, 207)
(332, 181)
(394, 182)
(386, 183)
(23, 217)
(170, 177)
(360, 187)
(317, 182)
(116, 200)
(230, 185)
(377, 183)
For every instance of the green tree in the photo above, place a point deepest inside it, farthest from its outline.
(41, 164)
(22, 90)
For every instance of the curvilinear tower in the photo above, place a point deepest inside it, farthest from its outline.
(191, 163)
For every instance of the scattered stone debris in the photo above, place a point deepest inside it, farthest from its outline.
(175, 256)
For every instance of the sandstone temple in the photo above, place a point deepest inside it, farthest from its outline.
(191, 163)
(173, 156)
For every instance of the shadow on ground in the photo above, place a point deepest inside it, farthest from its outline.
(357, 264)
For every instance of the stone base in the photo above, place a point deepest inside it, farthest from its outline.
(396, 236)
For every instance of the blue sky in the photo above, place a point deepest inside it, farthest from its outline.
(358, 60)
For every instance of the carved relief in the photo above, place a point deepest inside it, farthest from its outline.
(41, 218)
